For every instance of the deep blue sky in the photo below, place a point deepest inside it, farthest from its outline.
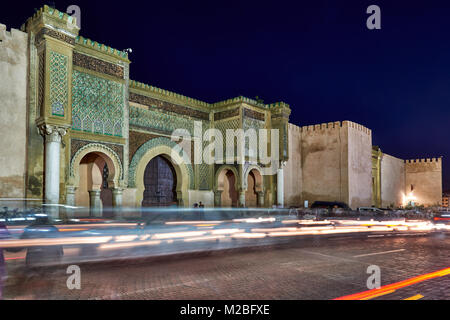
(316, 55)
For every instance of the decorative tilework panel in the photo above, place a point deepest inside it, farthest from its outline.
(159, 120)
(251, 141)
(204, 170)
(168, 107)
(41, 92)
(58, 83)
(222, 126)
(97, 105)
(136, 140)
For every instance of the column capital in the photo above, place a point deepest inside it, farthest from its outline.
(52, 133)
(117, 190)
(70, 188)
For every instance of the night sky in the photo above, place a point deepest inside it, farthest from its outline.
(318, 56)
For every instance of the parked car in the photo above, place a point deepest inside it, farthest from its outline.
(371, 211)
(331, 208)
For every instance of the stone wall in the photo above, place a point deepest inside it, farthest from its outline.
(324, 162)
(392, 181)
(425, 177)
(13, 112)
(359, 165)
(335, 163)
(293, 169)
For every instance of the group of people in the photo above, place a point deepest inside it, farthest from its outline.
(199, 205)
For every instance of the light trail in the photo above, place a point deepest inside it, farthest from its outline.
(416, 297)
(395, 286)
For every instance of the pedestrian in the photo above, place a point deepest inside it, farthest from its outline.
(195, 205)
(4, 233)
(201, 205)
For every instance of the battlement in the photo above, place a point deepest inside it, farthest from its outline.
(336, 125)
(240, 99)
(425, 161)
(357, 126)
(294, 127)
(322, 126)
(55, 14)
(6, 36)
(100, 47)
(198, 103)
(143, 86)
(280, 104)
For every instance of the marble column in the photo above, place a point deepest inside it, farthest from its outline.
(280, 185)
(180, 199)
(70, 202)
(95, 203)
(52, 136)
(218, 198)
(117, 202)
(241, 203)
(70, 195)
(117, 198)
(261, 199)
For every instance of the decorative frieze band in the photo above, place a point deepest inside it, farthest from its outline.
(167, 106)
(54, 34)
(283, 115)
(226, 114)
(97, 65)
(254, 114)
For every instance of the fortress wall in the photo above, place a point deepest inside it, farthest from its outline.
(293, 169)
(425, 175)
(13, 111)
(359, 165)
(324, 150)
(392, 181)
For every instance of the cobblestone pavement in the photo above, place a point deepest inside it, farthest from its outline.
(316, 269)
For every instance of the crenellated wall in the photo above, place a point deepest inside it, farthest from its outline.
(425, 177)
(336, 163)
(324, 146)
(13, 112)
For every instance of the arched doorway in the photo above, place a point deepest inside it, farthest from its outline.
(253, 194)
(160, 183)
(229, 195)
(95, 180)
